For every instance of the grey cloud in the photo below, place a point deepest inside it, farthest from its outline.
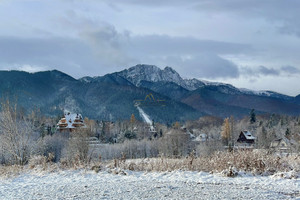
(268, 71)
(189, 56)
(283, 14)
(204, 65)
(290, 69)
(37, 49)
(69, 55)
(154, 3)
(100, 48)
(125, 49)
(267, 8)
(192, 57)
(161, 44)
(103, 50)
(108, 45)
(105, 42)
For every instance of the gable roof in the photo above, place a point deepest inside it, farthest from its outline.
(248, 135)
(278, 141)
(71, 120)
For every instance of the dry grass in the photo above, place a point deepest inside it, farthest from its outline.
(10, 171)
(41, 164)
(258, 162)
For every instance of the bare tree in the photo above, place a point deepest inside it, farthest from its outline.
(226, 131)
(77, 149)
(17, 134)
(175, 143)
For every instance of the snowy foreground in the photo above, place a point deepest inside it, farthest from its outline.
(82, 184)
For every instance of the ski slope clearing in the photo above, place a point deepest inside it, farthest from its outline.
(81, 184)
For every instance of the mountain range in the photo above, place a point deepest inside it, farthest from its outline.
(112, 96)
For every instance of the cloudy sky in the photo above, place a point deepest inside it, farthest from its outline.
(251, 44)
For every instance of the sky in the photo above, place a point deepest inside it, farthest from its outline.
(251, 44)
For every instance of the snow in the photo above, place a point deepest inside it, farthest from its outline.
(81, 184)
(248, 135)
(201, 138)
(259, 93)
(144, 116)
(213, 83)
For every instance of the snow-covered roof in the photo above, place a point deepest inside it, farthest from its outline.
(281, 141)
(71, 119)
(248, 135)
(201, 138)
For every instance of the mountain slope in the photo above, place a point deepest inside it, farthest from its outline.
(109, 97)
(213, 98)
(34, 90)
(169, 89)
(225, 101)
(112, 96)
(297, 99)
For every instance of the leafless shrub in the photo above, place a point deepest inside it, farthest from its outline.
(175, 143)
(37, 161)
(76, 152)
(42, 162)
(53, 145)
(208, 148)
(131, 148)
(18, 137)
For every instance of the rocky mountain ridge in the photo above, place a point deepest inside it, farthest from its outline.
(152, 73)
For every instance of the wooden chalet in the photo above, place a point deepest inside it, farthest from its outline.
(246, 137)
(70, 122)
(281, 145)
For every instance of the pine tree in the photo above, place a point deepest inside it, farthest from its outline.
(252, 116)
(160, 133)
(287, 132)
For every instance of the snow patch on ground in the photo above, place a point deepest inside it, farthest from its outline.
(82, 184)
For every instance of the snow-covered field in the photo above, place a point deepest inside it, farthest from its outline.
(81, 184)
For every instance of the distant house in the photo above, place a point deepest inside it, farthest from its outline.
(281, 145)
(202, 137)
(70, 122)
(246, 137)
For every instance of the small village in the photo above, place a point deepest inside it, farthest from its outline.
(181, 139)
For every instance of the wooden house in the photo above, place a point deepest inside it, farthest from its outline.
(281, 145)
(246, 137)
(70, 122)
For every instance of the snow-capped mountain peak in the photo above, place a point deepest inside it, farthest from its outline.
(139, 73)
(152, 73)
